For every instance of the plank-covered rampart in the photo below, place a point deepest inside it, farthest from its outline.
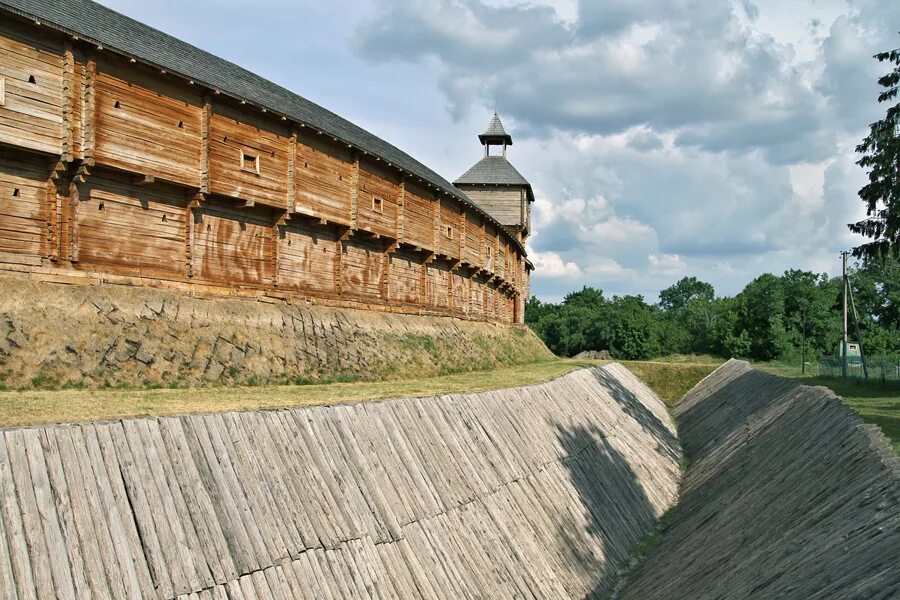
(536, 492)
(113, 167)
(788, 495)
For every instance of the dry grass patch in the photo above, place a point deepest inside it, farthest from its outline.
(57, 406)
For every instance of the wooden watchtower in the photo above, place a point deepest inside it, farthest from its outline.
(496, 186)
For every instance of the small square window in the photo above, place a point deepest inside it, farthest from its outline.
(250, 162)
(450, 232)
(378, 205)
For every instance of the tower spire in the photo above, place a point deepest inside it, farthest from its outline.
(495, 135)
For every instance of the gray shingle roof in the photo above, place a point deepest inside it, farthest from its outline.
(492, 170)
(495, 132)
(115, 32)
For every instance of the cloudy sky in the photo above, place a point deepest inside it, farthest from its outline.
(663, 138)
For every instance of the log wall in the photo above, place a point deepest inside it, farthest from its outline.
(377, 200)
(31, 110)
(110, 168)
(139, 228)
(25, 203)
(362, 262)
(418, 218)
(306, 258)
(232, 245)
(406, 277)
(323, 181)
(472, 248)
(507, 205)
(247, 161)
(459, 289)
(143, 130)
(437, 284)
(451, 233)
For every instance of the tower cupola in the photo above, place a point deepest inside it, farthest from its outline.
(495, 135)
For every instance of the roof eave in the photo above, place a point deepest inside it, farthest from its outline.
(486, 139)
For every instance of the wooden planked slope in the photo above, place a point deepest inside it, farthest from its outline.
(789, 495)
(534, 492)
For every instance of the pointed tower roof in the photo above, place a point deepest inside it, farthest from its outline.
(492, 170)
(495, 134)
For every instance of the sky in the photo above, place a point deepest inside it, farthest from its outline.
(663, 138)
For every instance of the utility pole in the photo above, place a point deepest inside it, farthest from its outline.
(862, 353)
(844, 340)
(803, 354)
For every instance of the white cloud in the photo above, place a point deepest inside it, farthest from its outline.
(707, 72)
(601, 266)
(618, 230)
(552, 266)
(667, 262)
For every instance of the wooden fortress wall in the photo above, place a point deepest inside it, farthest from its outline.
(123, 173)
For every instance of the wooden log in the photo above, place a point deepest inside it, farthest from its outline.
(354, 194)
(221, 495)
(41, 558)
(205, 117)
(21, 564)
(7, 575)
(198, 503)
(89, 108)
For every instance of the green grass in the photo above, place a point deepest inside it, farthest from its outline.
(671, 379)
(36, 406)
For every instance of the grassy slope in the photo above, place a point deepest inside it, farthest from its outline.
(669, 377)
(30, 407)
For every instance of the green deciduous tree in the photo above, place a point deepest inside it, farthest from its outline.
(761, 315)
(881, 156)
(876, 287)
(683, 292)
(635, 329)
(774, 317)
(692, 309)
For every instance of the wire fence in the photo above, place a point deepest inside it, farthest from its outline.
(881, 368)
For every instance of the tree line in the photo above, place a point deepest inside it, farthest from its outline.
(772, 318)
